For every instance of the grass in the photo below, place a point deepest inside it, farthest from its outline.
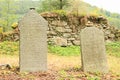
(113, 49)
(10, 50)
(64, 51)
(62, 59)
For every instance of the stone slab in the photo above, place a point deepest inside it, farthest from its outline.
(33, 42)
(93, 50)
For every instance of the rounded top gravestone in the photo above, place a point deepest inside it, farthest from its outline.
(93, 50)
(33, 42)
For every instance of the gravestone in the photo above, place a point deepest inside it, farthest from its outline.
(93, 53)
(33, 42)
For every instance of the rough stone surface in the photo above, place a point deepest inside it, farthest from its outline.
(69, 26)
(76, 42)
(33, 42)
(93, 50)
(60, 41)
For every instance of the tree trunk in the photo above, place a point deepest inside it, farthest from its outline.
(61, 4)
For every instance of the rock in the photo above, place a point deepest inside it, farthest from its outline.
(60, 41)
(67, 27)
(69, 44)
(66, 35)
(54, 23)
(89, 24)
(111, 35)
(76, 42)
(64, 23)
(60, 29)
(107, 32)
(5, 66)
(108, 41)
(71, 39)
(68, 30)
(52, 33)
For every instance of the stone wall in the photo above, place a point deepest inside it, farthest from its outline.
(64, 30)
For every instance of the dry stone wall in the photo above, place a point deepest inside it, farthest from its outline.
(64, 30)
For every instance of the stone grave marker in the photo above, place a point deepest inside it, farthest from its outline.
(93, 53)
(33, 42)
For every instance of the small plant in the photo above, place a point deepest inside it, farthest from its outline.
(93, 78)
(62, 73)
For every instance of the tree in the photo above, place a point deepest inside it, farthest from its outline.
(49, 5)
(8, 9)
(75, 6)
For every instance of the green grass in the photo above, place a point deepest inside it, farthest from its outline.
(113, 49)
(64, 51)
(12, 48)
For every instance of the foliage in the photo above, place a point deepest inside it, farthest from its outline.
(64, 51)
(60, 12)
(7, 14)
(114, 22)
(79, 7)
(10, 48)
(50, 5)
(1, 29)
(113, 49)
(14, 25)
(12, 10)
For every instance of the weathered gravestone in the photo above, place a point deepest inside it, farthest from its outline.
(93, 50)
(33, 42)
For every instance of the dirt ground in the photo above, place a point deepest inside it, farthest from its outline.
(59, 68)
